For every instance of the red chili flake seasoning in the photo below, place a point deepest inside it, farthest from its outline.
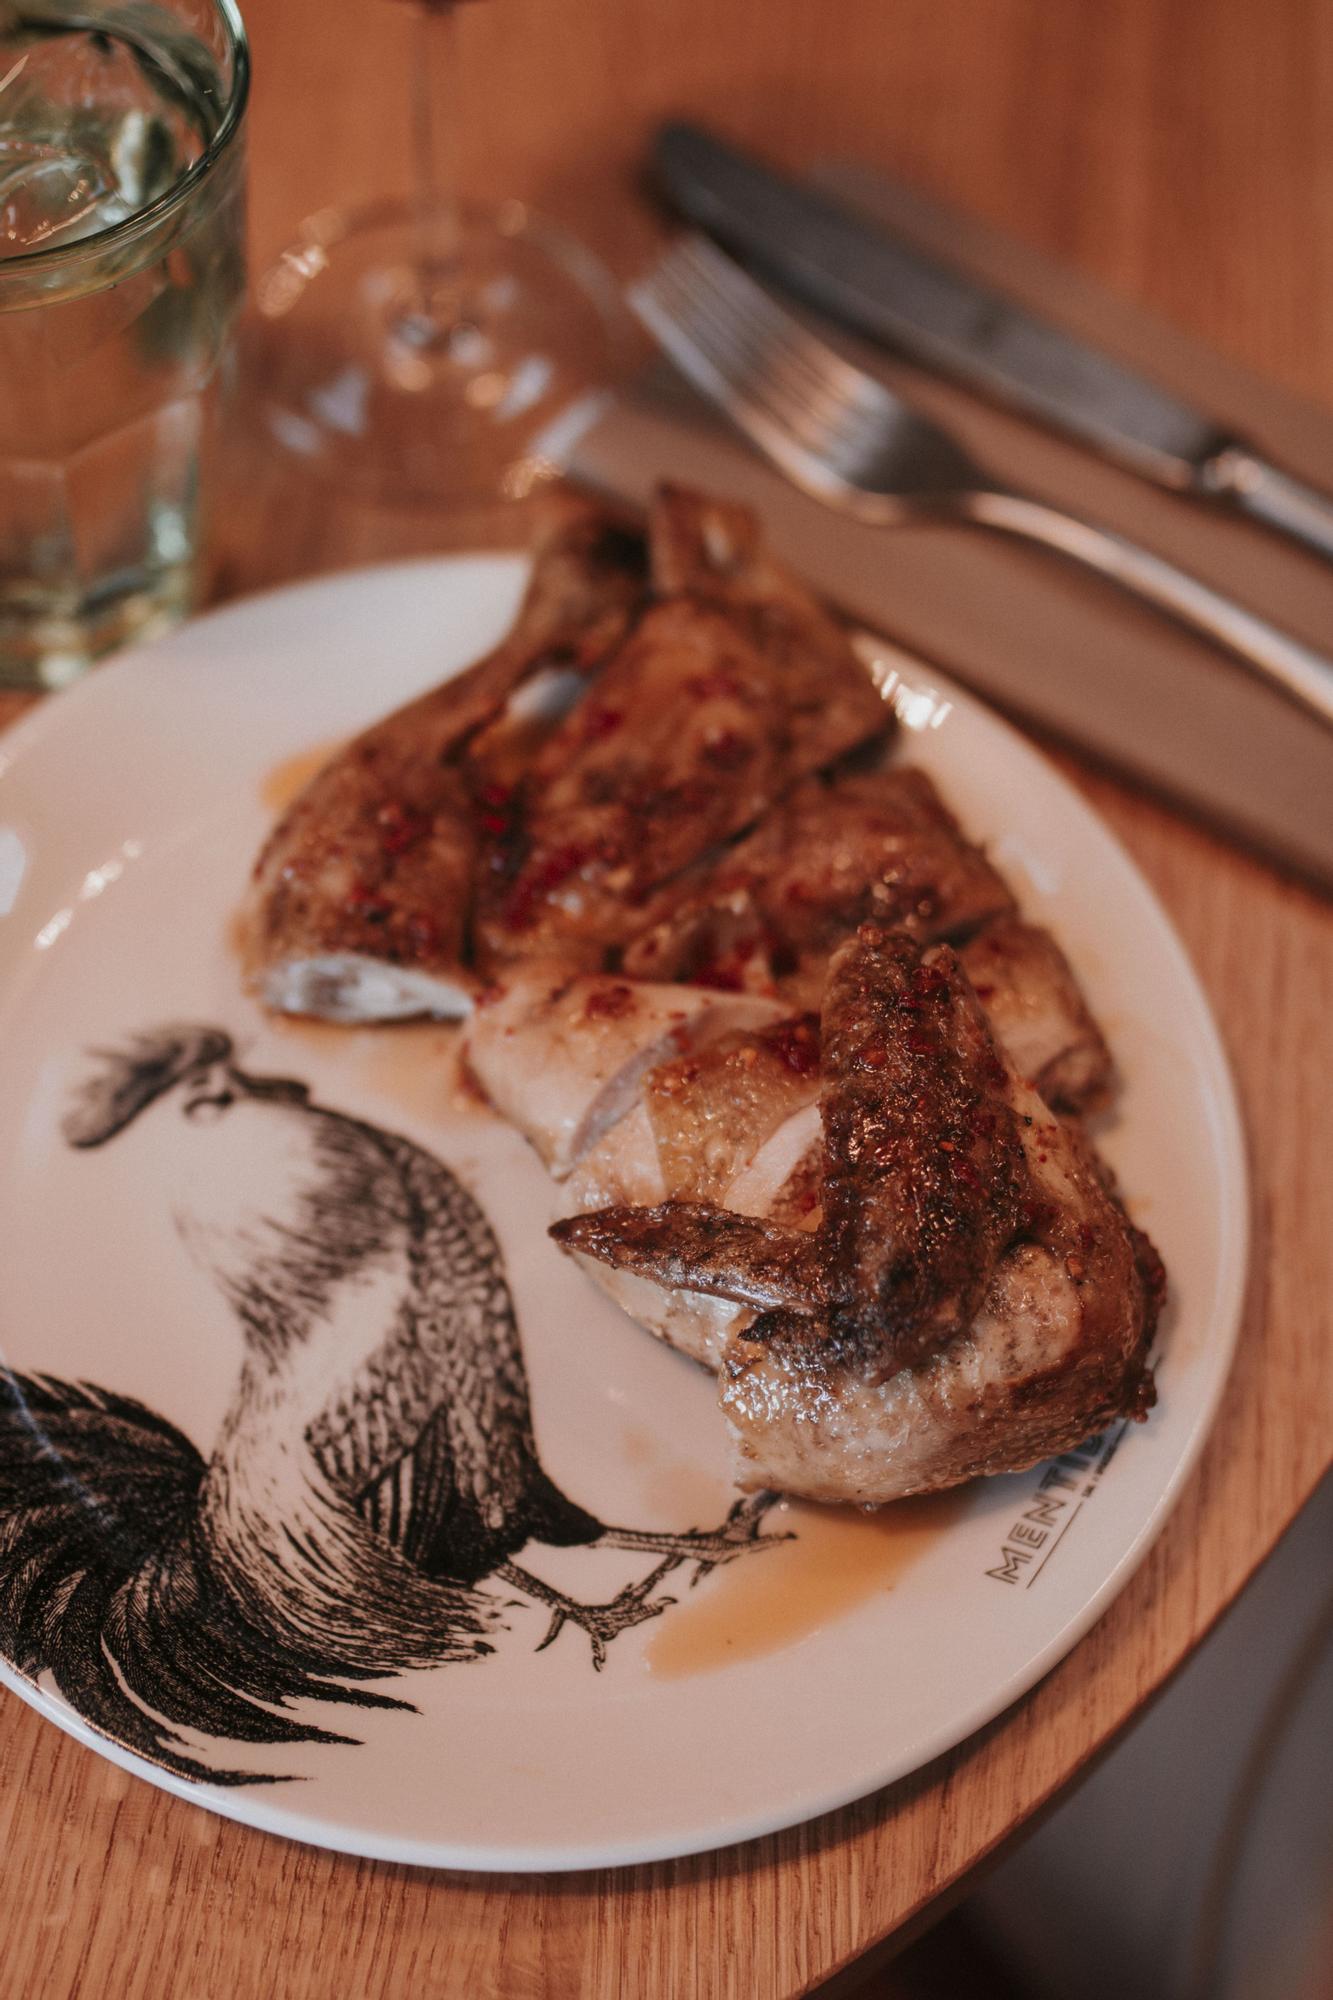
(367, 904)
(727, 750)
(423, 936)
(796, 1043)
(548, 873)
(600, 722)
(714, 686)
(609, 1003)
(495, 808)
(400, 826)
(929, 982)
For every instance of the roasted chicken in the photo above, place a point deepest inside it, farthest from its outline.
(808, 1081)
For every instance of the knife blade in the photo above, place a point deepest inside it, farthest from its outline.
(881, 287)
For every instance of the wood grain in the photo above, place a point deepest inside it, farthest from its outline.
(1183, 155)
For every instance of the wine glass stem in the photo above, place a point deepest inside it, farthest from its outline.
(434, 170)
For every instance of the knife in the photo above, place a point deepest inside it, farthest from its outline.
(881, 287)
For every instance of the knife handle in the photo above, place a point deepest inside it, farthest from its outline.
(1301, 673)
(1243, 479)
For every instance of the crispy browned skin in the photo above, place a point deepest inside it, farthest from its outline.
(374, 861)
(731, 688)
(1058, 1350)
(923, 1174)
(712, 550)
(679, 746)
(875, 846)
(924, 1183)
(1033, 1002)
(702, 1248)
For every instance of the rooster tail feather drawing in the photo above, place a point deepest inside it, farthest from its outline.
(111, 1583)
(106, 1583)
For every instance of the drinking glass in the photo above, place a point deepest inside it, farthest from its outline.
(121, 265)
(434, 350)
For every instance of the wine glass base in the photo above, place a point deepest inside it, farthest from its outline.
(460, 381)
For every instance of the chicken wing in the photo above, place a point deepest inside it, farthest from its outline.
(971, 1297)
(923, 1174)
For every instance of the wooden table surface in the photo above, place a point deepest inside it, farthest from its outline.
(1183, 155)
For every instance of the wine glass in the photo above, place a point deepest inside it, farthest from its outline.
(436, 351)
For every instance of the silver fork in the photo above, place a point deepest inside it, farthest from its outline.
(845, 438)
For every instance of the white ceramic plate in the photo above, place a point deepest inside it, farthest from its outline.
(786, 1683)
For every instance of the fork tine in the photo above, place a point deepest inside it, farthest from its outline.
(746, 360)
(815, 365)
(729, 347)
(694, 284)
(808, 402)
(713, 318)
(724, 377)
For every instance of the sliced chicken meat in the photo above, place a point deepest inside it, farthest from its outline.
(564, 1057)
(358, 909)
(712, 551)
(712, 1109)
(686, 741)
(874, 845)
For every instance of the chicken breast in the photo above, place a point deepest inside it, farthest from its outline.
(713, 1107)
(563, 1057)
(359, 905)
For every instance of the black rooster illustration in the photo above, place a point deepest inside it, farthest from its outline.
(376, 1466)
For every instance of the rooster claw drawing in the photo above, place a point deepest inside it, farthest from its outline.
(706, 1548)
(739, 1533)
(601, 1622)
